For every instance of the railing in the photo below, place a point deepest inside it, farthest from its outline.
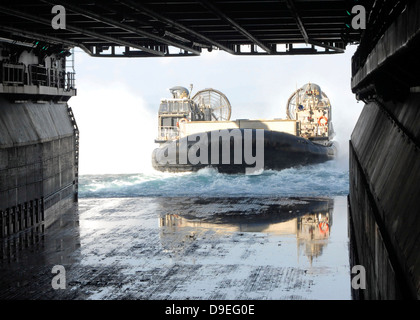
(54, 79)
(38, 75)
(19, 74)
(13, 74)
(70, 81)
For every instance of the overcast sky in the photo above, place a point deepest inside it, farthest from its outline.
(118, 98)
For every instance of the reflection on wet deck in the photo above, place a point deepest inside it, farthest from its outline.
(186, 248)
(310, 222)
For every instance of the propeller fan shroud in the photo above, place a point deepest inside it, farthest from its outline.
(217, 101)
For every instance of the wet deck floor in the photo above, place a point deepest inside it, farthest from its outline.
(185, 248)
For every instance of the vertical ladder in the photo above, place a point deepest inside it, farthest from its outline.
(76, 152)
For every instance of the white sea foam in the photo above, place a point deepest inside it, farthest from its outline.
(325, 179)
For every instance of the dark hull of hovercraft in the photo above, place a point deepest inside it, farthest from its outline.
(281, 151)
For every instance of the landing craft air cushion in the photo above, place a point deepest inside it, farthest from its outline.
(196, 132)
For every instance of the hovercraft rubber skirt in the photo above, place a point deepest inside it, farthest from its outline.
(280, 151)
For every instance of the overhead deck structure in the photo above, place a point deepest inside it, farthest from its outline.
(39, 135)
(185, 28)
